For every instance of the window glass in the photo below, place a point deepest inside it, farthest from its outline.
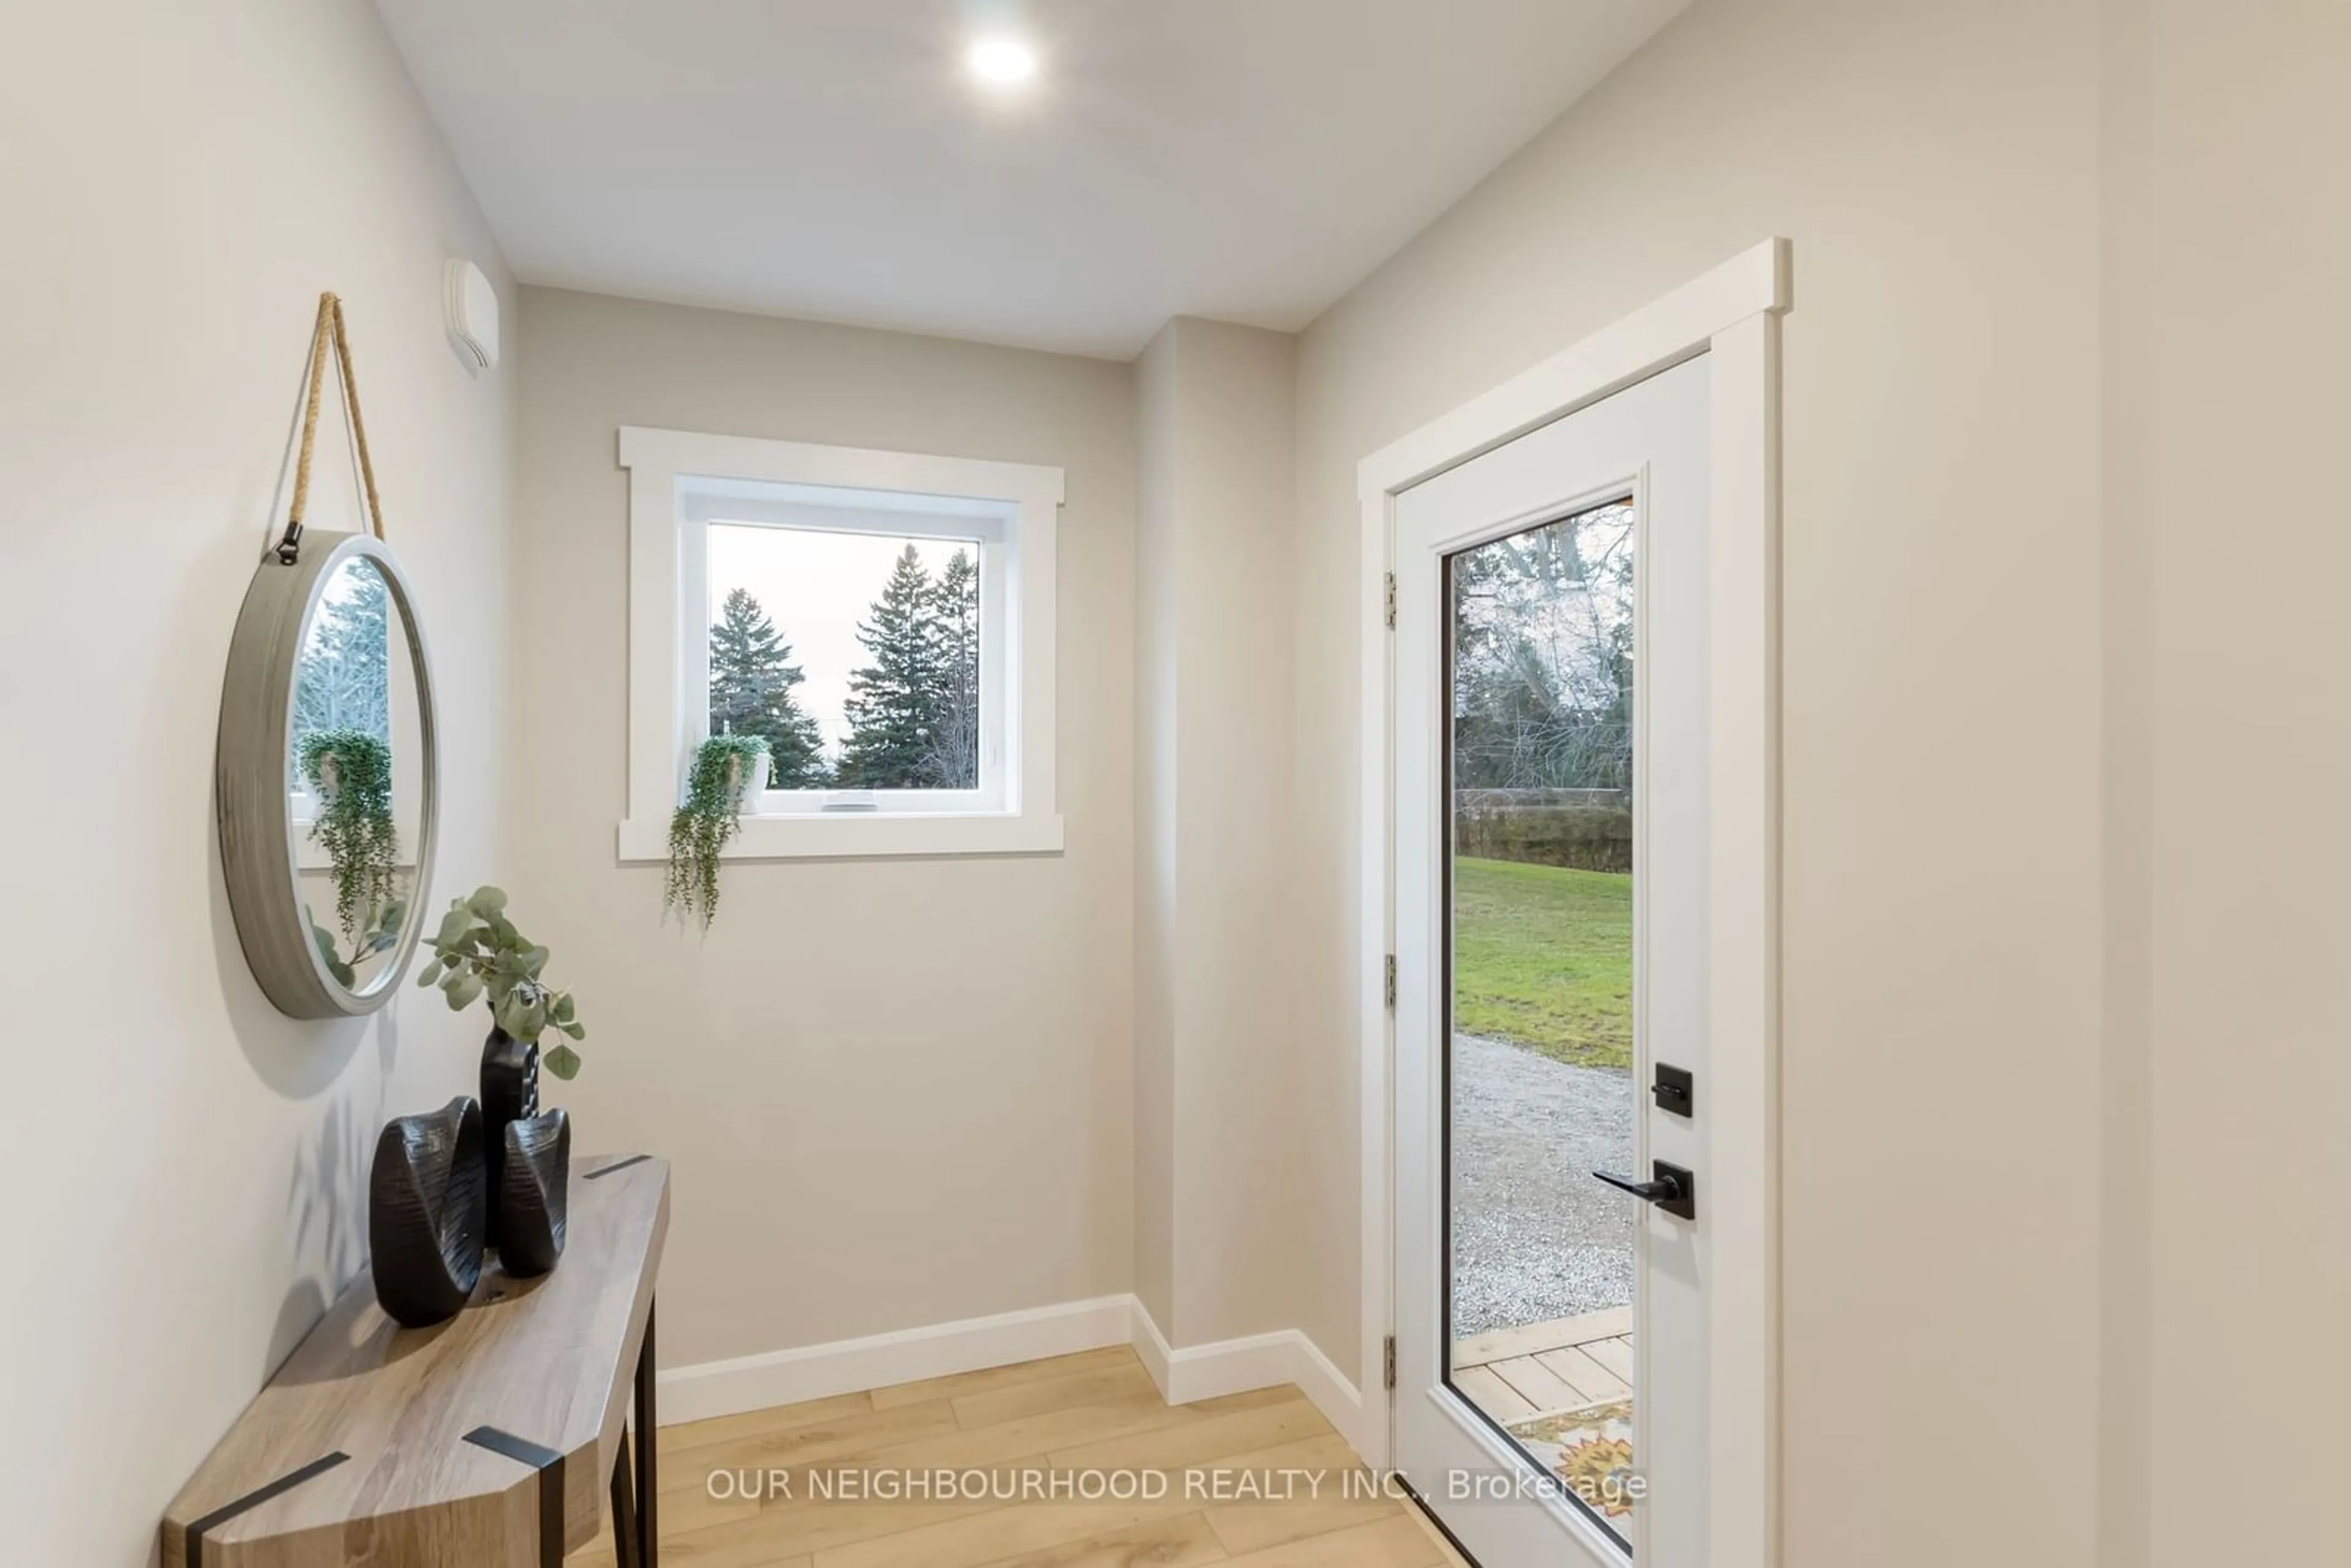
(343, 677)
(857, 655)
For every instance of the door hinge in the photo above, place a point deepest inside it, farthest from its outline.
(1392, 600)
(1391, 1361)
(1391, 982)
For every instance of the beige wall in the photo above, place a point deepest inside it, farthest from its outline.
(185, 1166)
(1219, 1241)
(2061, 585)
(897, 1093)
(2124, 1439)
(1156, 832)
(1938, 168)
(2243, 562)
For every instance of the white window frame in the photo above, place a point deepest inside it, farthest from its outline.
(680, 483)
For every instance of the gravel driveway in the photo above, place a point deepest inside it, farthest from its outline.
(1534, 1237)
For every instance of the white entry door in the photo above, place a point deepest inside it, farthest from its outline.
(1552, 874)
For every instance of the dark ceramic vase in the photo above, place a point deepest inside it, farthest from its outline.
(427, 1212)
(534, 1194)
(510, 1093)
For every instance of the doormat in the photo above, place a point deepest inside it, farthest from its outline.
(1590, 1450)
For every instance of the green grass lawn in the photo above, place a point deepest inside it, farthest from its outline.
(1543, 957)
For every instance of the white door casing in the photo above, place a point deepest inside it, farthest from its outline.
(1731, 315)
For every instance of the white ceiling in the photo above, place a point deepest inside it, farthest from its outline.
(1249, 159)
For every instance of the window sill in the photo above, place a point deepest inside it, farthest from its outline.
(862, 836)
(311, 855)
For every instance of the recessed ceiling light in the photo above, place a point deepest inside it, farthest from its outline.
(1002, 62)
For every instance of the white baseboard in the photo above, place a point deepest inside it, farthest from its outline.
(1340, 1401)
(1150, 1346)
(1260, 1361)
(845, 1367)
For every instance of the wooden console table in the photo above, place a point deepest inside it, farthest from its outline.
(489, 1441)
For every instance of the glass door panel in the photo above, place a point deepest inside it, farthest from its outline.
(1540, 1041)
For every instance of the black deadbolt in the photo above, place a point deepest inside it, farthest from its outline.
(1675, 1089)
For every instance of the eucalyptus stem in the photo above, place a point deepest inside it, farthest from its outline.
(478, 954)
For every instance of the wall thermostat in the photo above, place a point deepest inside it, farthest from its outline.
(470, 307)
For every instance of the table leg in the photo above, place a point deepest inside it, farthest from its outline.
(648, 1481)
(625, 1509)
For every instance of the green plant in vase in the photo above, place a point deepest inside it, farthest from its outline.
(726, 769)
(478, 953)
(351, 771)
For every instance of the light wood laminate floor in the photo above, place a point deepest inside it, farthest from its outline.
(1233, 1483)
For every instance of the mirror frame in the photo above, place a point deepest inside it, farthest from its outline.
(255, 806)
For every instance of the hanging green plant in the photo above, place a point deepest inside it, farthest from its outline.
(478, 953)
(725, 767)
(351, 771)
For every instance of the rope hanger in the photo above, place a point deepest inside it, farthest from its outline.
(329, 331)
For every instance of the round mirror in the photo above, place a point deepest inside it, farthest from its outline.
(327, 776)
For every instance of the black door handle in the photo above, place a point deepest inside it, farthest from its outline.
(1673, 1188)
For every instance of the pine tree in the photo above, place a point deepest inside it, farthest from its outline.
(953, 762)
(751, 682)
(894, 703)
(342, 678)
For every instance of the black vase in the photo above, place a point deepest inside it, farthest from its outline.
(510, 1093)
(534, 1193)
(428, 1209)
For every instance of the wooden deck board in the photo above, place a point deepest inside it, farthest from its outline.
(1538, 1384)
(1541, 1369)
(1596, 1382)
(1484, 1388)
(1615, 1354)
(1527, 1339)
